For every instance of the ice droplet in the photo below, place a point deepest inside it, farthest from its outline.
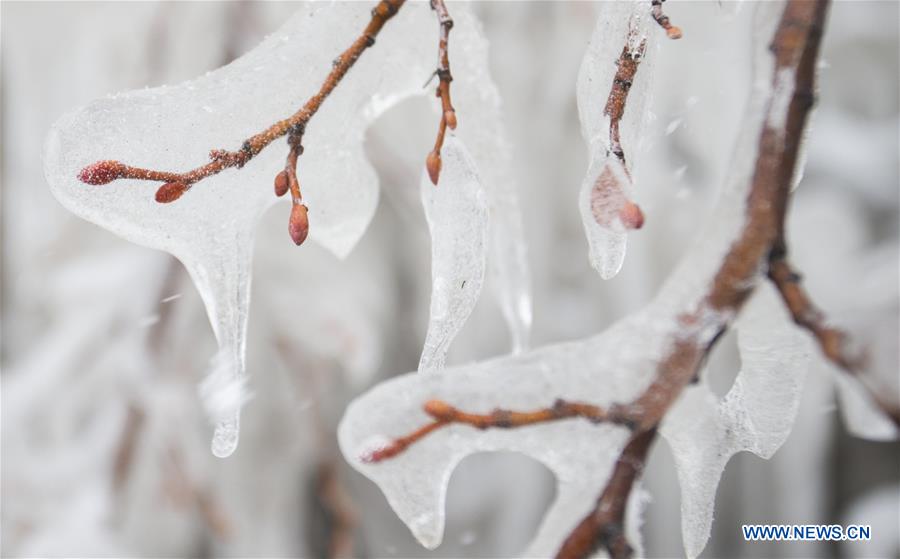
(457, 217)
(620, 22)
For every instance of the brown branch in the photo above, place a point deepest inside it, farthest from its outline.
(605, 524)
(795, 46)
(672, 31)
(444, 414)
(627, 67)
(342, 516)
(833, 342)
(176, 184)
(448, 113)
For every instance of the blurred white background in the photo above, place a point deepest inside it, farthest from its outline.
(104, 444)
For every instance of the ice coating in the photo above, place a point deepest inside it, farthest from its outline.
(756, 415)
(619, 22)
(614, 366)
(457, 215)
(210, 229)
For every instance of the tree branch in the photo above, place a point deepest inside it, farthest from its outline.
(176, 184)
(448, 113)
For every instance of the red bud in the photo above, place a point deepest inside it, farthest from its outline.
(433, 166)
(170, 192)
(673, 32)
(101, 172)
(438, 409)
(298, 225)
(631, 215)
(450, 117)
(281, 183)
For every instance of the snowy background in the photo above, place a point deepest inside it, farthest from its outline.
(105, 448)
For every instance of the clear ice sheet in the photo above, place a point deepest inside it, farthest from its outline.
(607, 238)
(211, 228)
(457, 216)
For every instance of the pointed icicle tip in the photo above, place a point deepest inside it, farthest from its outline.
(433, 166)
(298, 225)
(170, 192)
(101, 172)
(631, 215)
(281, 183)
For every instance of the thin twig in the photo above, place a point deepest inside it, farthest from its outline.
(626, 69)
(672, 31)
(448, 113)
(176, 184)
(444, 414)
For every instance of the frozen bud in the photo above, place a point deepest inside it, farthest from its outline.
(281, 183)
(438, 409)
(673, 32)
(433, 166)
(450, 117)
(170, 192)
(631, 215)
(298, 225)
(101, 172)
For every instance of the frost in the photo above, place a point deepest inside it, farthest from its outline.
(211, 228)
(620, 21)
(457, 217)
(756, 415)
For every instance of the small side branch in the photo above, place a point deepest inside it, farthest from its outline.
(604, 526)
(672, 31)
(176, 184)
(627, 67)
(833, 342)
(444, 414)
(448, 113)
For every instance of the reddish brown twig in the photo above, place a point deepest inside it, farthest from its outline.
(626, 69)
(176, 184)
(444, 414)
(672, 31)
(834, 343)
(448, 113)
(605, 524)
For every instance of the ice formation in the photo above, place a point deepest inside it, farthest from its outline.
(211, 228)
(606, 187)
(756, 415)
(614, 366)
(457, 215)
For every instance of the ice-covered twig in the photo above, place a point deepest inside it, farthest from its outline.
(833, 342)
(444, 414)
(448, 113)
(176, 184)
(672, 31)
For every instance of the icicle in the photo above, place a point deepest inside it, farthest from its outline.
(756, 415)
(607, 210)
(479, 108)
(457, 217)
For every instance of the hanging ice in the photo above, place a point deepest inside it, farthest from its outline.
(607, 210)
(211, 228)
(457, 217)
(756, 415)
